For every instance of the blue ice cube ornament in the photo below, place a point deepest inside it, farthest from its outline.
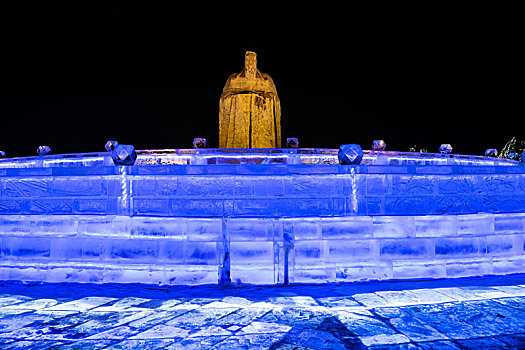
(350, 154)
(43, 150)
(124, 155)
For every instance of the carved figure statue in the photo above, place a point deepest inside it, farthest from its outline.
(250, 110)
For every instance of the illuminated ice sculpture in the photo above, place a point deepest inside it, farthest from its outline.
(264, 216)
(258, 215)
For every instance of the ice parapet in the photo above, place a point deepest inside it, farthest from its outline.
(292, 222)
(350, 154)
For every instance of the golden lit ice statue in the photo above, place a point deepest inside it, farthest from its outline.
(250, 110)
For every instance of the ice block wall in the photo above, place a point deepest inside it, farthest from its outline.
(83, 220)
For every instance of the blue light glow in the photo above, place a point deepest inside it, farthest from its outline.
(259, 216)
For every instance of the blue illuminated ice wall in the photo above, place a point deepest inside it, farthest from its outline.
(203, 216)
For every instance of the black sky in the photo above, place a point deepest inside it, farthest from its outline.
(76, 74)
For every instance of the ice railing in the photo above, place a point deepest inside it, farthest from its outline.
(211, 156)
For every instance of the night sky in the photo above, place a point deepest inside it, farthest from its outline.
(76, 74)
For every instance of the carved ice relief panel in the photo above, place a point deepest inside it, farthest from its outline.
(26, 188)
(406, 184)
(453, 185)
(499, 184)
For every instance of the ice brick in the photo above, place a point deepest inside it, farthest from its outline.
(417, 269)
(134, 274)
(393, 227)
(315, 274)
(468, 267)
(28, 272)
(76, 186)
(306, 228)
(256, 274)
(55, 225)
(475, 224)
(202, 253)
(144, 186)
(190, 274)
(197, 207)
(151, 206)
(271, 186)
(253, 229)
(204, 229)
(308, 252)
(509, 223)
(250, 252)
(172, 251)
(346, 227)
(312, 186)
(81, 274)
(378, 184)
(11, 206)
(174, 228)
(436, 226)
(461, 246)
(27, 187)
(205, 186)
(504, 244)
(26, 247)
(405, 248)
(50, 206)
(66, 248)
(363, 270)
(347, 250)
(136, 250)
(510, 264)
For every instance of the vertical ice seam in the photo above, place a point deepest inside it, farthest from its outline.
(124, 189)
(354, 190)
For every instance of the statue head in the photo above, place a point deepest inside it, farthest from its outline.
(250, 64)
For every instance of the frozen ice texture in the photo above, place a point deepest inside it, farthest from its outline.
(111, 145)
(379, 145)
(242, 220)
(350, 154)
(292, 142)
(199, 142)
(124, 155)
(491, 152)
(43, 150)
(445, 148)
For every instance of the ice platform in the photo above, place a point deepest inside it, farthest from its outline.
(263, 216)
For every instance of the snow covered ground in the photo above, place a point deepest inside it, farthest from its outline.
(466, 313)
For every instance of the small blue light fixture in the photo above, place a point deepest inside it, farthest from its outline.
(350, 154)
(445, 148)
(491, 152)
(121, 154)
(2, 154)
(43, 150)
(292, 142)
(199, 142)
(110, 145)
(378, 145)
(512, 156)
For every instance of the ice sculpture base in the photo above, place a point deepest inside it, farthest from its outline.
(261, 216)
